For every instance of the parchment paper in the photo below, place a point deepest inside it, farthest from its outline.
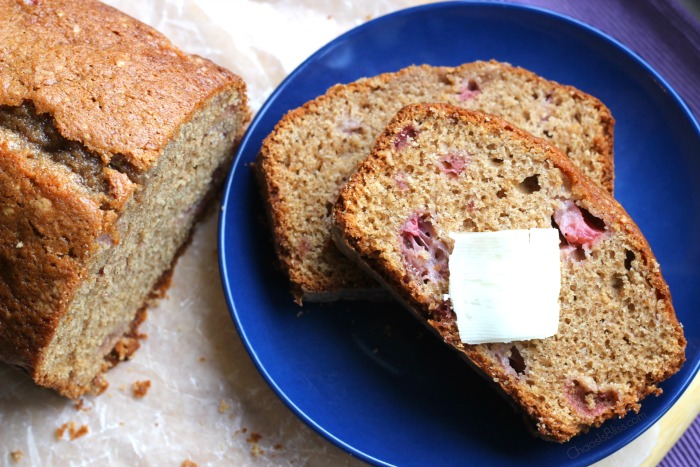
(206, 402)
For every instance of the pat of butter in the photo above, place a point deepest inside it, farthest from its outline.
(504, 285)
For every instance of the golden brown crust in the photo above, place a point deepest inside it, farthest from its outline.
(95, 69)
(351, 235)
(304, 140)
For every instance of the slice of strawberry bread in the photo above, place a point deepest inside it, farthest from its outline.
(439, 169)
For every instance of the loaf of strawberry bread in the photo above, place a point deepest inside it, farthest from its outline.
(112, 143)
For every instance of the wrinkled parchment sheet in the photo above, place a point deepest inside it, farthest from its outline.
(206, 402)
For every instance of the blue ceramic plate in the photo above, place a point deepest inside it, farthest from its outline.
(366, 376)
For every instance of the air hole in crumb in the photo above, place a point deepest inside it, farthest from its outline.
(501, 194)
(593, 221)
(468, 225)
(329, 209)
(578, 254)
(617, 282)
(526, 114)
(529, 185)
(556, 100)
(629, 257)
(472, 85)
(496, 161)
(516, 361)
(577, 117)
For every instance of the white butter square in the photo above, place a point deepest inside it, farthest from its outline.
(504, 285)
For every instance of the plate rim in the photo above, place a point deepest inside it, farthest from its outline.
(603, 451)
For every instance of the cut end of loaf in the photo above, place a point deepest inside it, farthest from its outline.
(98, 327)
(618, 335)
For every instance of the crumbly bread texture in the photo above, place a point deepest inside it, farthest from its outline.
(110, 141)
(314, 149)
(439, 169)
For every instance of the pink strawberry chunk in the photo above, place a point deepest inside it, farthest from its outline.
(469, 90)
(453, 164)
(425, 254)
(589, 402)
(579, 227)
(407, 133)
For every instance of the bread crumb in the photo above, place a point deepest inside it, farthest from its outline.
(256, 451)
(125, 348)
(254, 437)
(60, 430)
(223, 406)
(140, 388)
(82, 431)
(16, 456)
(72, 431)
(189, 463)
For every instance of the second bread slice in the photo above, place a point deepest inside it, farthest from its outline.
(439, 169)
